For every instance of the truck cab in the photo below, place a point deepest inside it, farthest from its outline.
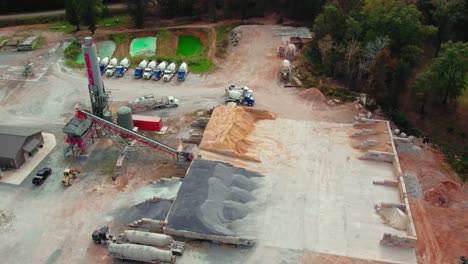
(110, 70)
(119, 71)
(147, 74)
(138, 73)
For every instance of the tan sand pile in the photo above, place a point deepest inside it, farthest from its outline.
(229, 128)
(313, 95)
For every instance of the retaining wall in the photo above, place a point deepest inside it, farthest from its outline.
(410, 240)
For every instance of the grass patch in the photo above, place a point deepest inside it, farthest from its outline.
(39, 43)
(31, 20)
(166, 43)
(189, 45)
(64, 27)
(222, 41)
(119, 38)
(71, 54)
(113, 22)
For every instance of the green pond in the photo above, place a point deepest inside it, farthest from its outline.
(143, 46)
(104, 49)
(189, 45)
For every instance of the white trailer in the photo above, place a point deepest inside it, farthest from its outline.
(150, 102)
(149, 70)
(140, 253)
(153, 239)
(169, 72)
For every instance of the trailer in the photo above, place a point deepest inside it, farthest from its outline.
(159, 71)
(161, 241)
(140, 253)
(151, 123)
(111, 67)
(139, 70)
(183, 70)
(169, 72)
(150, 102)
(122, 68)
(149, 70)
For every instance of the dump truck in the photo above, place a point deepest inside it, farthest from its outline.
(183, 70)
(159, 71)
(111, 67)
(122, 68)
(240, 95)
(169, 72)
(103, 64)
(150, 102)
(139, 70)
(149, 70)
(285, 71)
(69, 175)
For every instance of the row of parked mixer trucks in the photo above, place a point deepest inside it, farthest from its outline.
(146, 70)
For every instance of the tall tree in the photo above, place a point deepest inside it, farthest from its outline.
(137, 10)
(90, 13)
(72, 12)
(451, 70)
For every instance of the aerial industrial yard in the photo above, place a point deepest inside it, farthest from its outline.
(295, 178)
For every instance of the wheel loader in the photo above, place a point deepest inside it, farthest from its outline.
(69, 175)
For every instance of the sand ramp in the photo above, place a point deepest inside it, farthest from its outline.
(229, 128)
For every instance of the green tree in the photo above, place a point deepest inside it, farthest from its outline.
(450, 70)
(330, 22)
(137, 10)
(422, 89)
(72, 13)
(396, 19)
(90, 13)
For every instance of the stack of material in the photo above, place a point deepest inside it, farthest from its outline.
(213, 196)
(229, 128)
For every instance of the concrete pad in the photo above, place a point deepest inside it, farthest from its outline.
(16, 177)
(317, 195)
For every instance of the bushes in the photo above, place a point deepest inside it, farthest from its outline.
(71, 53)
(338, 93)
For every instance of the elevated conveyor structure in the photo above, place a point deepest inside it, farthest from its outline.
(181, 157)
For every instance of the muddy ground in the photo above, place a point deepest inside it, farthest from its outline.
(53, 224)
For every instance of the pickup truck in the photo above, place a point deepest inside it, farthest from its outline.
(41, 176)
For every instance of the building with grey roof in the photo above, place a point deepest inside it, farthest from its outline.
(17, 144)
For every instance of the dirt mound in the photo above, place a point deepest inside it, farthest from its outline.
(313, 95)
(229, 128)
(444, 193)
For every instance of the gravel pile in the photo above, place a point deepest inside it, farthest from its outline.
(412, 186)
(213, 195)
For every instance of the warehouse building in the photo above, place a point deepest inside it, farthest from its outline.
(18, 144)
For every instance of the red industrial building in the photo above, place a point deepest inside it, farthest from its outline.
(152, 123)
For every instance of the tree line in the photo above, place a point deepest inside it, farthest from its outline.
(375, 45)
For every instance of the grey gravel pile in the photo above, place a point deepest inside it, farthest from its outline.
(412, 186)
(212, 196)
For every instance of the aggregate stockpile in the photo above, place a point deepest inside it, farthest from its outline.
(228, 129)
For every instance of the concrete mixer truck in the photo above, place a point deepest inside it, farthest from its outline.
(139, 70)
(149, 70)
(240, 95)
(122, 68)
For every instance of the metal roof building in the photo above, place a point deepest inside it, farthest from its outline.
(17, 144)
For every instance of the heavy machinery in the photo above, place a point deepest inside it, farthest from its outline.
(111, 67)
(139, 70)
(103, 64)
(149, 70)
(240, 95)
(159, 71)
(169, 72)
(149, 102)
(101, 235)
(285, 71)
(183, 70)
(69, 175)
(122, 68)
